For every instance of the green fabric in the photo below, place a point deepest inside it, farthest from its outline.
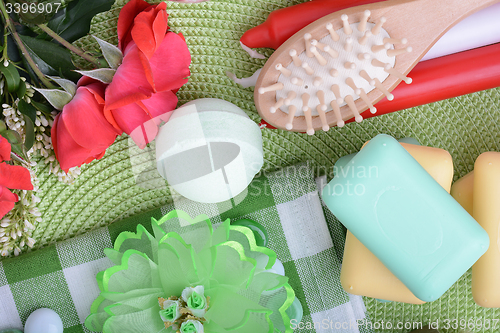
(107, 189)
(62, 276)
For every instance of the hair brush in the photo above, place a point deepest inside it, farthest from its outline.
(342, 64)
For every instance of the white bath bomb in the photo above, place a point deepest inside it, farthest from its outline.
(209, 151)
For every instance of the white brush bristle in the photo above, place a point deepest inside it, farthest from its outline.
(327, 69)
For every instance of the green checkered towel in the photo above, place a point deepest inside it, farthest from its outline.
(286, 203)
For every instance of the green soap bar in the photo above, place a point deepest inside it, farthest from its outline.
(405, 218)
(342, 162)
(258, 230)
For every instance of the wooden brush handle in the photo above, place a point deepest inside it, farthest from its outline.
(422, 22)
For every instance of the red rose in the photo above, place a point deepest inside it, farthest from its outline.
(155, 65)
(11, 176)
(81, 133)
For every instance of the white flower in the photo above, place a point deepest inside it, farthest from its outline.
(197, 325)
(195, 300)
(172, 316)
(28, 225)
(31, 242)
(34, 211)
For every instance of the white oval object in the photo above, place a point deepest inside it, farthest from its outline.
(43, 321)
(277, 268)
(209, 150)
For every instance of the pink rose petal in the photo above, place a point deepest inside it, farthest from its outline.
(149, 29)
(15, 177)
(130, 83)
(133, 117)
(170, 63)
(126, 19)
(83, 118)
(4, 149)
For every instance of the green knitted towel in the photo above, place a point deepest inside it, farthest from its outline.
(107, 190)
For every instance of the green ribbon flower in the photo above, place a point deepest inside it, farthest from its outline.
(171, 311)
(232, 287)
(195, 300)
(192, 326)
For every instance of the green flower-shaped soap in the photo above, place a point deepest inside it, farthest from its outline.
(191, 279)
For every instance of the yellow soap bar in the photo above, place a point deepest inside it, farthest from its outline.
(486, 211)
(362, 272)
(462, 191)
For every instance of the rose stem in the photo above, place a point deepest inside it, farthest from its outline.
(68, 45)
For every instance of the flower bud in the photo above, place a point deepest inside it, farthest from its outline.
(171, 311)
(195, 300)
(192, 326)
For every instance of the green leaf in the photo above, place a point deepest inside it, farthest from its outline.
(21, 91)
(29, 131)
(33, 16)
(18, 149)
(43, 108)
(57, 98)
(50, 58)
(105, 75)
(27, 109)
(11, 76)
(111, 53)
(3, 127)
(67, 85)
(16, 143)
(74, 22)
(12, 49)
(12, 136)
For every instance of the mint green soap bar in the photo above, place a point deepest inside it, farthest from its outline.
(405, 218)
(344, 160)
